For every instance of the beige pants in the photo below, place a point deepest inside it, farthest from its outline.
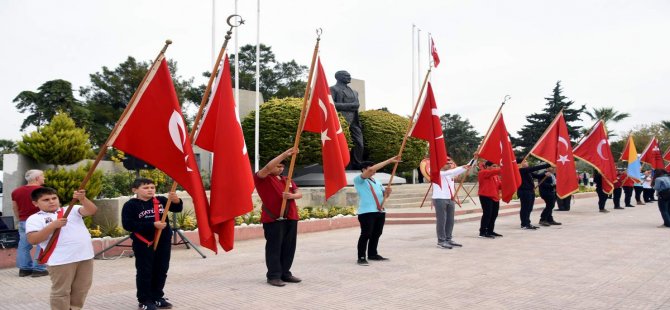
(70, 284)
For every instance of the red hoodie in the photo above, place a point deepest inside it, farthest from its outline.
(489, 183)
(627, 181)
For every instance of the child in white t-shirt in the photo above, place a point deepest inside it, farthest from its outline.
(70, 259)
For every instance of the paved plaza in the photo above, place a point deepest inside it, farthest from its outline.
(617, 260)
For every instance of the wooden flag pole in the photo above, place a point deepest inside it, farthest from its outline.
(103, 148)
(301, 123)
(486, 137)
(426, 195)
(409, 128)
(203, 103)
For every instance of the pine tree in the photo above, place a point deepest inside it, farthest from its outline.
(538, 122)
(60, 142)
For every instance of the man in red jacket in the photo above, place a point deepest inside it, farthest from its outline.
(489, 197)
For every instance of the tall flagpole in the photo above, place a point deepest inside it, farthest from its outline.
(237, 67)
(413, 66)
(203, 103)
(301, 121)
(103, 148)
(418, 54)
(258, 81)
(213, 30)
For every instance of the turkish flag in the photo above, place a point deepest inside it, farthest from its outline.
(595, 151)
(232, 179)
(497, 148)
(652, 155)
(322, 118)
(554, 147)
(429, 128)
(433, 51)
(666, 156)
(153, 130)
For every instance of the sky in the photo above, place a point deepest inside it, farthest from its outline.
(606, 53)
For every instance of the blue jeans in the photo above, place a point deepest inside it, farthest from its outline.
(664, 207)
(23, 258)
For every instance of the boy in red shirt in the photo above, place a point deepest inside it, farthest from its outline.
(489, 197)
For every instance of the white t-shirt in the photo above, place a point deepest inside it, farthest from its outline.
(646, 182)
(447, 181)
(74, 241)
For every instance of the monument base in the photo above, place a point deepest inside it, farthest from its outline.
(313, 176)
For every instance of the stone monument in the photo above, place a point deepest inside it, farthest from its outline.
(346, 102)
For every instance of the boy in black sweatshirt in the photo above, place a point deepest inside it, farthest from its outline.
(141, 216)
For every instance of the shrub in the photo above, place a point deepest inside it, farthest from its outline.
(277, 126)
(67, 181)
(383, 133)
(119, 183)
(186, 220)
(60, 142)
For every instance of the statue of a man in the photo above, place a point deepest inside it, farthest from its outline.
(346, 102)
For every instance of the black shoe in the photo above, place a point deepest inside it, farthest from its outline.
(604, 211)
(147, 305)
(544, 223)
(39, 273)
(554, 223)
(630, 206)
(619, 208)
(562, 210)
(495, 234)
(454, 243)
(276, 282)
(481, 235)
(291, 279)
(377, 257)
(533, 227)
(162, 303)
(361, 261)
(25, 272)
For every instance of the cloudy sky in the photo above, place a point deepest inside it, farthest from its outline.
(606, 53)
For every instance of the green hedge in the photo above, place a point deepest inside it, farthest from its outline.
(383, 133)
(278, 124)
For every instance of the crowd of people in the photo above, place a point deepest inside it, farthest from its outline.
(69, 261)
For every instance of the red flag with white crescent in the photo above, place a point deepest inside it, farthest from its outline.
(497, 148)
(429, 128)
(595, 150)
(652, 155)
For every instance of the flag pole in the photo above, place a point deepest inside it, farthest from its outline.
(409, 128)
(301, 122)
(479, 148)
(426, 195)
(203, 103)
(103, 148)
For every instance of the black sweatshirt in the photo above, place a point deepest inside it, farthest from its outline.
(527, 176)
(137, 216)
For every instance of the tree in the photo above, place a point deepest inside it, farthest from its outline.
(277, 80)
(112, 89)
(461, 138)
(538, 122)
(52, 97)
(666, 125)
(607, 114)
(6, 147)
(60, 142)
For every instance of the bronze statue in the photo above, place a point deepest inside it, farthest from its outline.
(346, 102)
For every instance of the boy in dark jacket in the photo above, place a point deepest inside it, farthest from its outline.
(141, 216)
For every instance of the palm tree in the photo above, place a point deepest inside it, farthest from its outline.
(607, 114)
(666, 125)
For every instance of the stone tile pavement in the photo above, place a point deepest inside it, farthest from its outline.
(618, 260)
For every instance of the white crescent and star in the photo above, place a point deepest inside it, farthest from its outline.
(563, 158)
(599, 149)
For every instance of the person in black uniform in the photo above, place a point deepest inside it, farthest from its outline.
(547, 187)
(602, 196)
(526, 191)
(141, 217)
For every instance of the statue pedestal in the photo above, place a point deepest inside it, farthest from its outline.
(313, 176)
